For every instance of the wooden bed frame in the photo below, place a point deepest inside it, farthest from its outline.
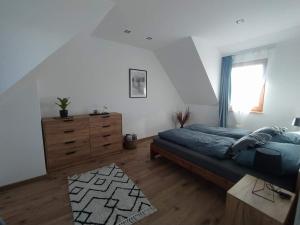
(206, 174)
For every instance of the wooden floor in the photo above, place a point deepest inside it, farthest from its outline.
(180, 197)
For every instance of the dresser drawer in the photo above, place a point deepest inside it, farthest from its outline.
(70, 141)
(100, 121)
(64, 157)
(106, 130)
(60, 126)
(101, 140)
(62, 138)
(69, 145)
(106, 149)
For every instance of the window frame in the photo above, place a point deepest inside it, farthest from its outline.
(260, 107)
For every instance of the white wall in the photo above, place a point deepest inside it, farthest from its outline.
(282, 90)
(204, 114)
(94, 72)
(31, 30)
(183, 65)
(21, 150)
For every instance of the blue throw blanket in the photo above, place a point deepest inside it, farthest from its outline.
(207, 144)
(221, 131)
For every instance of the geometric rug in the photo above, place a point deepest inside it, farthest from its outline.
(107, 196)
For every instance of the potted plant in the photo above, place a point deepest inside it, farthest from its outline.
(183, 117)
(63, 104)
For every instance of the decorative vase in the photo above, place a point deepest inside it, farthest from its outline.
(130, 141)
(63, 113)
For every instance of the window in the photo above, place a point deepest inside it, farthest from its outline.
(248, 86)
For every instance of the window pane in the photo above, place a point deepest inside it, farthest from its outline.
(246, 86)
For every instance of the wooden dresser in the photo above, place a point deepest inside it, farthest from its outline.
(69, 141)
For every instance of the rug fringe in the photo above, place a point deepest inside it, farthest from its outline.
(138, 216)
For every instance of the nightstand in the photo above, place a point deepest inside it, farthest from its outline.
(243, 207)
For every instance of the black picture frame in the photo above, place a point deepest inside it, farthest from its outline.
(138, 83)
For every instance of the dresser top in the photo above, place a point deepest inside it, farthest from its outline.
(48, 119)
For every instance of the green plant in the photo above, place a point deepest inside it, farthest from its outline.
(63, 103)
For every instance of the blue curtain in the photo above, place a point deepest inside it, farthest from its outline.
(225, 90)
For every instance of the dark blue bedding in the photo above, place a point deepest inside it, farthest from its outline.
(217, 142)
(207, 144)
(288, 137)
(226, 168)
(221, 131)
(290, 156)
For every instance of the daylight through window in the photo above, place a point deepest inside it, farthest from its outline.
(248, 86)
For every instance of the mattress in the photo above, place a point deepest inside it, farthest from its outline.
(226, 168)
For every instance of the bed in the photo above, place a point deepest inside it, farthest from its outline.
(192, 149)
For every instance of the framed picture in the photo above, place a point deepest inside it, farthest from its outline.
(137, 83)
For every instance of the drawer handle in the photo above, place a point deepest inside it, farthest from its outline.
(71, 153)
(69, 142)
(106, 126)
(68, 131)
(68, 120)
(108, 135)
(105, 116)
(106, 145)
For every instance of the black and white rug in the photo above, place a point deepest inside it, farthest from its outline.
(107, 196)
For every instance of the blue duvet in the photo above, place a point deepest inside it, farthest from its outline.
(221, 131)
(207, 144)
(290, 156)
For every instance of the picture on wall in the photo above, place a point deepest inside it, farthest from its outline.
(137, 83)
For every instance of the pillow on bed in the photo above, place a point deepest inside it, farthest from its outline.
(289, 137)
(273, 131)
(250, 141)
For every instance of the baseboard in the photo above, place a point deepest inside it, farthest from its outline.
(20, 183)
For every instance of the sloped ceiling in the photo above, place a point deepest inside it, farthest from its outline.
(31, 30)
(193, 64)
(167, 21)
(182, 63)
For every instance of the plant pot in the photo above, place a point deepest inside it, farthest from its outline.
(63, 113)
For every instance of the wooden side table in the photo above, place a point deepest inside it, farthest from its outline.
(245, 208)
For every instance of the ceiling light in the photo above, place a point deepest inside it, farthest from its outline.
(149, 38)
(127, 31)
(240, 21)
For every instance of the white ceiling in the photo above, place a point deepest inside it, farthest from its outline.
(214, 20)
(52, 16)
